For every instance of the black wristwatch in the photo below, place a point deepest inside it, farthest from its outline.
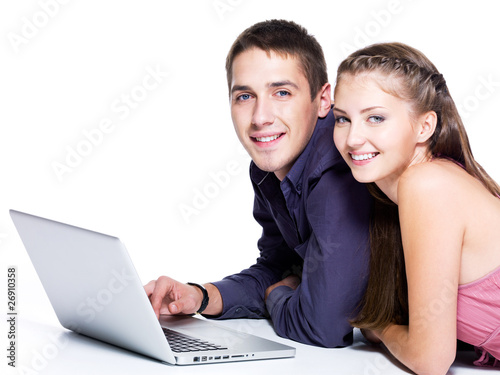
(204, 302)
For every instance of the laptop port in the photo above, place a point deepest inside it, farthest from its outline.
(217, 357)
(196, 359)
(204, 359)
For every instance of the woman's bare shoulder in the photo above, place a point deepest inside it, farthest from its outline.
(439, 180)
(431, 174)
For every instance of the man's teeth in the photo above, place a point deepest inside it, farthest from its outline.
(363, 157)
(267, 139)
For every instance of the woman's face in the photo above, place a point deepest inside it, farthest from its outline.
(373, 129)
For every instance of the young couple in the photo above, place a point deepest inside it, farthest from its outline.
(417, 267)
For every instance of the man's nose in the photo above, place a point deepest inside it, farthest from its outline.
(263, 113)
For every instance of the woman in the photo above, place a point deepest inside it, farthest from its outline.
(435, 273)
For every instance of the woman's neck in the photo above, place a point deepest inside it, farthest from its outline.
(389, 186)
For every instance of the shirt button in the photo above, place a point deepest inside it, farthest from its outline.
(238, 310)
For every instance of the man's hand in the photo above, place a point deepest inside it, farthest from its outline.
(171, 297)
(292, 281)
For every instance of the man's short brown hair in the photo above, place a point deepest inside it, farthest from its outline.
(285, 38)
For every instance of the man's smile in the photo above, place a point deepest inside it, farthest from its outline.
(267, 140)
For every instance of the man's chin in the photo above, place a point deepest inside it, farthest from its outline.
(265, 165)
(279, 169)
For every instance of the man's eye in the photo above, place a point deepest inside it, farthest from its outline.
(243, 97)
(282, 93)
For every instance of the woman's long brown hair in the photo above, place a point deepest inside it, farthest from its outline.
(414, 79)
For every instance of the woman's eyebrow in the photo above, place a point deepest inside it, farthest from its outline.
(362, 111)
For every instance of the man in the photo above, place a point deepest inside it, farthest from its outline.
(313, 262)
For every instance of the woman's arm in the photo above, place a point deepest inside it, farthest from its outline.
(432, 228)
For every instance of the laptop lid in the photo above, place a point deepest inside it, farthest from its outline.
(92, 285)
(95, 290)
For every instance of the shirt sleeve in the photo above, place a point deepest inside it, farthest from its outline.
(243, 293)
(335, 266)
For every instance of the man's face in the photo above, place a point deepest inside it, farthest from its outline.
(272, 110)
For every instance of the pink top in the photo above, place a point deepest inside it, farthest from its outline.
(478, 316)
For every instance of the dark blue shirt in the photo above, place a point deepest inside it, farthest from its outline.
(314, 224)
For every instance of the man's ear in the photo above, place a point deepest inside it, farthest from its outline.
(427, 122)
(325, 100)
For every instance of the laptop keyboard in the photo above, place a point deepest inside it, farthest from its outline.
(180, 343)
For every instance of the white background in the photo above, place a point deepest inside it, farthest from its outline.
(65, 67)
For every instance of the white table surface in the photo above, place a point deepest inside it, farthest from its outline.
(45, 347)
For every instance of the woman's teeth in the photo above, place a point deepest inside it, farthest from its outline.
(363, 156)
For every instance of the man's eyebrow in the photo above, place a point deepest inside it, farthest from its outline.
(283, 83)
(271, 85)
(240, 88)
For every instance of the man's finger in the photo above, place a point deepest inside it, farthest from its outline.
(161, 287)
(149, 287)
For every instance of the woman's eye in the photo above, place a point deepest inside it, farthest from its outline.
(376, 119)
(341, 120)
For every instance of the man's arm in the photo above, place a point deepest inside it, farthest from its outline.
(243, 293)
(335, 266)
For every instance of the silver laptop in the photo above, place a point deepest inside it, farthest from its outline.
(95, 291)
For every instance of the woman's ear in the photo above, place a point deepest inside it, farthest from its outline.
(427, 122)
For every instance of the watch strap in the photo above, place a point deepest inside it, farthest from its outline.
(204, 302)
